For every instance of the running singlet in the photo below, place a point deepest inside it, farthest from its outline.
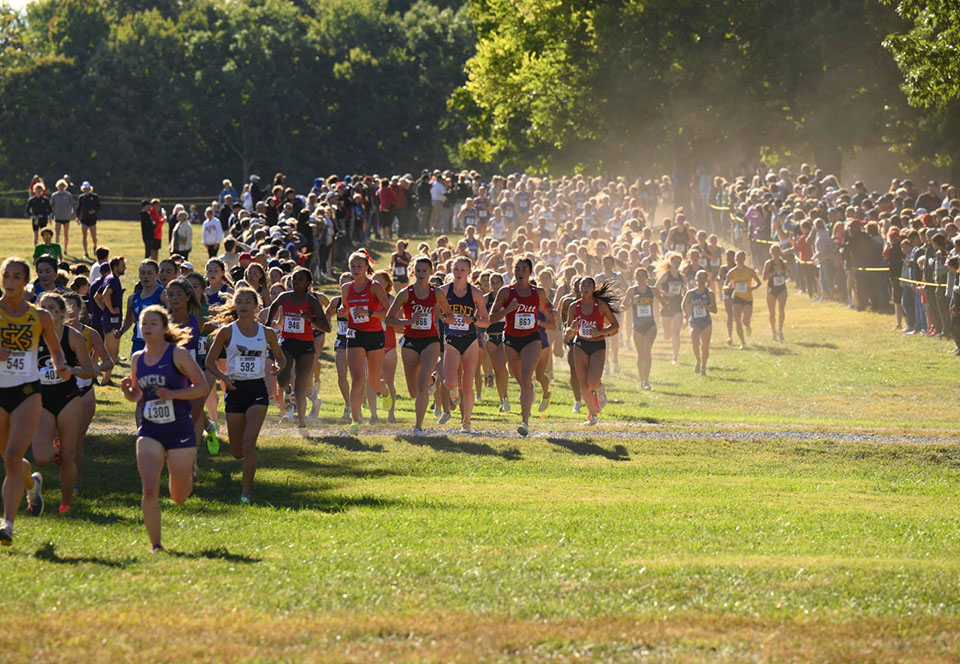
(139, 304)
(21, 336)
(162, 374)
(359, 306)
(217, 298)
(494, 328)
(48, 375)
(295, 323)
(420, 313)
(643, 307)
(197, 345)
(699, 307)
(87, 339)
(399, 271)
(741, 278)
(246, 356)
(587, 324)
(344, 331)
(523, 321)
(462, 306)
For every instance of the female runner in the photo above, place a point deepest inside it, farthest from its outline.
(519, 304)
(640, 298)
(365, 303)
(590, 320)
(164, 378)
(21, 327)
(340, 346)
(730, 263)
(671, 286)
(421, 304)
(186, 313)
(246, 342)
(775, 271)
(383, 278)
(563, 309)
(300, 309)
(494, 345)
(147, 293)
(743, 280)
(462, 350)
(62, 414)
(698, 304)
(102, 362)
(400, 264)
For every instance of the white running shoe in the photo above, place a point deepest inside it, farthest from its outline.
(465, 427)
(444, 418)
(6, 533)
(417, 432)
(35, 495)
(523, 429)
(544, 403)
(506, 405)
(592, 421)
(576, 407)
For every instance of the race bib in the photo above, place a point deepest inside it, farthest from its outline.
(679, 248)
(48, 376)
(16, 364)
(342, 327)
(459, 323)
(715, 262)
(587, 330)
(422, 321)
(699, 311)
(400, 271)
(742, 287)
(159, 411)
(202, 346)
(643, 311)
(778, 280)
(293, 324)
(524, 321)
(703, 262)
(673, 287)
(351, 333)
(551, 227)
(359, 314)
(247, 367)
(483, 214)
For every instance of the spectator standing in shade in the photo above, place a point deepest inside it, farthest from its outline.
(88, 206)
(39, 210)
(146, 228)
(64, 211)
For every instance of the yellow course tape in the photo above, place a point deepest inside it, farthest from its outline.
(873, 269)
(921, 283)
(718, 207)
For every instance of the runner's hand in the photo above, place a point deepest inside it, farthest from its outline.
(228, 384)
(164, 393)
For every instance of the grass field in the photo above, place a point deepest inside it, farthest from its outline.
(799, 504)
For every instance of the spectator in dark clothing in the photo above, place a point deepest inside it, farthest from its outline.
(39, 210)
(88, 206)
(929, 200)
(256, 193)
(226, 211)
(424, 203)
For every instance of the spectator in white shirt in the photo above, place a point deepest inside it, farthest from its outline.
(438, 195)
(212, 233)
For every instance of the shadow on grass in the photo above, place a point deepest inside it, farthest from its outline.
(220, 553)
(627, 417)
(446, 444)
(48, 553)
(772, 350)
(813, 344)
(588, 448)
(677, 394)
(348, 443)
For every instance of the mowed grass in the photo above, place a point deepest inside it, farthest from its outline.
(573, 545)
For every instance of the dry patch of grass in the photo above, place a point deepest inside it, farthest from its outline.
(158, 636)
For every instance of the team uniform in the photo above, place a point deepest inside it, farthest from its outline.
(422, 330)
(246, 368)
(367, 331)
(777, 283)
(20, 372)
(84, 385)
(587, 327)
(460, 334)
(642, 309)
(494, 330)
(670, 304)
(167, 421)
(344, 331)
(522, 326)
(109, 321)
(700, 310)
(139, 303)
(741, 278)
(296, 332)
(56, 392)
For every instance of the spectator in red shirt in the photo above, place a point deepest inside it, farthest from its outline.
(158, 218)
(388, 202)
(803, 249)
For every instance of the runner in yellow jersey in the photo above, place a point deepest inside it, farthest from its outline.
(21, 326)
(743, 280)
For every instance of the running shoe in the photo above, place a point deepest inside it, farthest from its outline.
(417, 432)
(465, 427)
(544, 403)
(346, 414)
(6, 533)
(454, 402)
(696, 369)
(506, 405)
(523, 429)
(156, 548)
(781, 335)
(386, 401)
(602, 399)
(592, 421)
(245, 499)
(576, 407)
(213, 442)
(314, 409)
(64, 509)
(354, 428)
(444, 418)
(646, 386)
(35, 495)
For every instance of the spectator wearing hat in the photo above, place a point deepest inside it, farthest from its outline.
(227, 190)
(38, 209)
(256, 193)
(64, 211)
(181, 242)
(88, 206)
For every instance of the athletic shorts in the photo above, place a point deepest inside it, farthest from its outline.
(38, 223)
(246, 393)
(419, 344)
(174, 436)
(84, 391)
(590, 347)
(495, 339)
(643, 326)
(111, 322)
(88, 222)
(367, 340)
(777, 290)
(461, 343)
(518, 343)
(340, 342)
(297, 348)
(56, 397)
(11, 397)
(62, 221)
(671, 309)
(701, 323)
(742, 302)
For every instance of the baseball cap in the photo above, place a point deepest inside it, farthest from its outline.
(186, 265)
(245, 255)
(86, 185)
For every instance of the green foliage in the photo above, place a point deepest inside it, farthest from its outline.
(173, 96)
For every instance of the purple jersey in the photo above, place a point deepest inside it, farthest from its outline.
(113, 321)
(168, 422)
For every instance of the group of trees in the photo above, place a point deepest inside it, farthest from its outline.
(167, 95)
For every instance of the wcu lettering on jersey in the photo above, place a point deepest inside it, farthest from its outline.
(152, 380)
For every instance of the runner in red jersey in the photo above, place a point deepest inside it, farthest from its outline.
(389, 372)
(519, 304)
(421, 305)
(300, 311)
(590, 320)
(364, 303)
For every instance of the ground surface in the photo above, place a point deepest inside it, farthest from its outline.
(799, 504)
